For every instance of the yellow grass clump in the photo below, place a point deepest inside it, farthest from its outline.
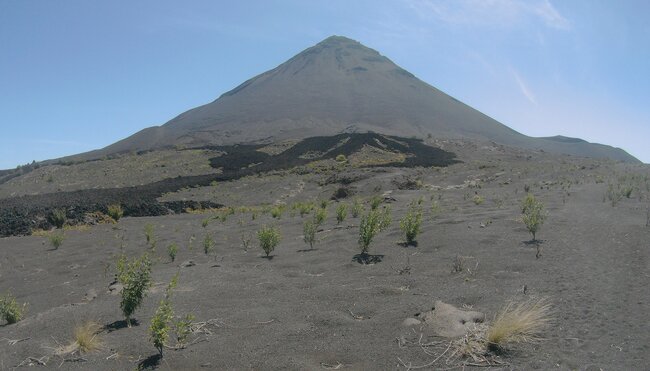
(85, 339)
(519, 322)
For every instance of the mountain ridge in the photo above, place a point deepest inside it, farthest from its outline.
(338, 85)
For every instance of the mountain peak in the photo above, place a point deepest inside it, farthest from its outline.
(338, 85)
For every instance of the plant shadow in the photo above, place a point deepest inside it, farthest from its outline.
(306, 250)
(406, 244)
(118, 325)
(533, 242)
(367, 258)
(267, 257)
(150, 362)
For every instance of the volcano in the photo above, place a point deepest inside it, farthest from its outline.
(339, 86)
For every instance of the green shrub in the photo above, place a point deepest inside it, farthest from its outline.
(319, 216)
(305, 208)
(324, 204)
(533, 215)
(309, 232)
(478, 199)
(411, 223)
(56, 239)
(341, 212)
(10, 310)
(205, 222)
(369, 226)
(208, 244)
(149, 233)
(115, 211)
(386, 219)
(375, 201)
(58, 218)
(269, 238)
(135, 277)
(277, 211)
(161, 320)
(341, 158)
(183, 329)
(172, 250)
(357, 208)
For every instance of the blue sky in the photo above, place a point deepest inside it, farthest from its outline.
(79, 75)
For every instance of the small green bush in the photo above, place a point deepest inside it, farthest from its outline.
(149, 233)
(357, 208)
(324, 204)
(172, 250)
(269, 238)
(411, 223)
(161, 320)
(135, 277)
(369, 226)
(341, 158)
(386, 219)
(309, 232)
(375, 201)
(319, 216)
(115, 211)
(341, 212)
(10, 310)
(478, 199)
(208, 244)
(183, 328)
(277, 211)
(534, 215)
(205, 222)
(58, 218)
(56, 239)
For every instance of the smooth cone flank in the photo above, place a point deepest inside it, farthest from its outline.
(338, 85)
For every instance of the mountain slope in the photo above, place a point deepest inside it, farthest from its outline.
(336, 86)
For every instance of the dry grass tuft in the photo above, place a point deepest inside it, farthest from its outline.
(519, 322)
(86, 339)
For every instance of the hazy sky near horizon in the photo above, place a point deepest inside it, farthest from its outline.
(77, 75)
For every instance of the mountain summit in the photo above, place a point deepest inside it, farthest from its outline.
(338, 85)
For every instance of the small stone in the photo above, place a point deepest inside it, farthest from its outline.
(411, 322)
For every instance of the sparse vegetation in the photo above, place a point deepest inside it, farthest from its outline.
(319, 216)
(115, 211)
(172, 250)
(56, 239)
(149, 234)
(533, 215)
(357, 208)
(269, 238)
(10, 311)
(58, 218)
(411, 223)
(135, 277)
(341, 212)
(375, 201)
(208, 244)
(161, 321)
(371, 224)
(309, 232)
(183, 329)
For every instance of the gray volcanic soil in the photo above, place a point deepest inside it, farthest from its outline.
(319, 309)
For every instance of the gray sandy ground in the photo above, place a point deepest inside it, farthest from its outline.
(319, 309)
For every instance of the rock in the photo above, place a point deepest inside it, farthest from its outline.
(411, 322)
(90, 295)
(115, 288)
(448, 321)
(187, 263)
